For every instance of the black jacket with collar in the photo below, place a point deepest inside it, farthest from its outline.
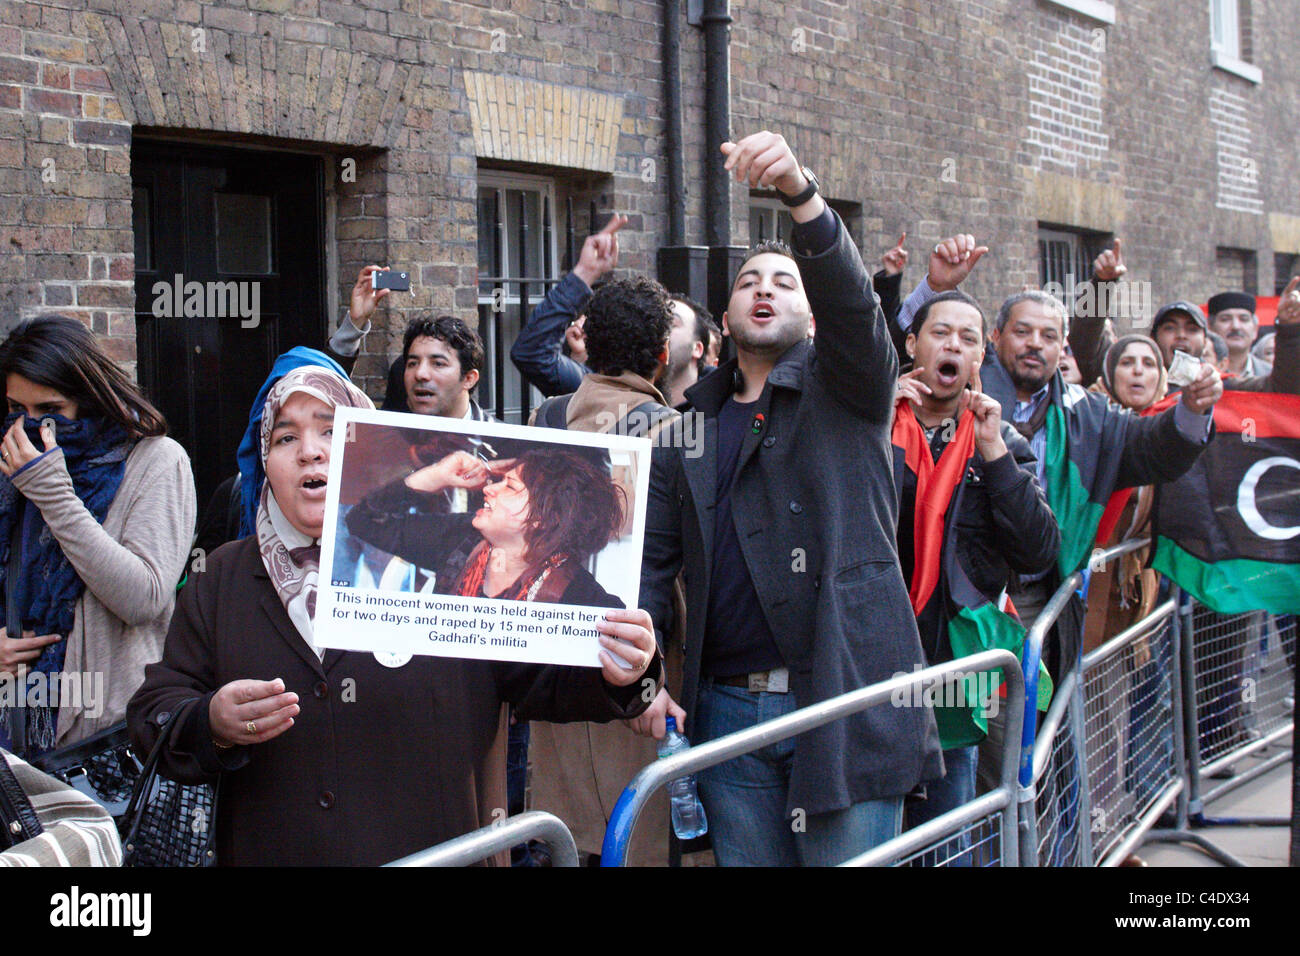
(998, 525)
(816, 508)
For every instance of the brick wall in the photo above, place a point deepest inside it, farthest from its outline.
(1066, 123)
(988, 116)
(65, 188)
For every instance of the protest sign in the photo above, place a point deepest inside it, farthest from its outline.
(463, 538)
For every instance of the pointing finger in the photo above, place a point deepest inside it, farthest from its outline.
(616, 222)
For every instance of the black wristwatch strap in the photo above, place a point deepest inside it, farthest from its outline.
(808, 192)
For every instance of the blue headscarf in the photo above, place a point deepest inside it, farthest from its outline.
(251, 473)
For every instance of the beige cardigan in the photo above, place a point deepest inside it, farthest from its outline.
(130, 565)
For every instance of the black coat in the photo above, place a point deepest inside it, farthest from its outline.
(997, 526)
(381, 762)
(815, 508)
(1112, 448)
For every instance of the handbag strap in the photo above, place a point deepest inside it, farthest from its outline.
(17, 815)
(144, 786)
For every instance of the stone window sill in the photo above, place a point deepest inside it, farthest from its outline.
(1229, 64)
(1098, 10)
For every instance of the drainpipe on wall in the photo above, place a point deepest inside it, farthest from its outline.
(724, 258)
(681, 268)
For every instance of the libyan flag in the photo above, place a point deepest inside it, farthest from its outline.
(942, 594)
(1228, 530)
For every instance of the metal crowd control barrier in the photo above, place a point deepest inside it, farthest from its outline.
(1241, 676)
(1132, 744)
(1055, 813)
(490, 840)
(998, 804)
(1139, 731)
(1229, 715)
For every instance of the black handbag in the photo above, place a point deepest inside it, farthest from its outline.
(18, 820)
(161, 822)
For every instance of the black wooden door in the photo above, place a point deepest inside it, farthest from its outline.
(229, 274)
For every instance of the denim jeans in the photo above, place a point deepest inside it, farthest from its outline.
(956, 788)
(745, 798)
(517, 783)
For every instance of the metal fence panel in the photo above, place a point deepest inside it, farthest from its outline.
(634, 797)
(1129, 728)
(494, 838)
(1243, 666)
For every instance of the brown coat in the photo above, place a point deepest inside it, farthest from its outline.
(1124, 591)
(381, 762)
(579, 770)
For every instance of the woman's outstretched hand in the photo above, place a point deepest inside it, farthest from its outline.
(247, 712)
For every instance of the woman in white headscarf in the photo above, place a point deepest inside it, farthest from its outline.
(327, 756)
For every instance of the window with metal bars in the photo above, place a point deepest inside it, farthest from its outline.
(1064, 261)
(517, 264)
(1285, 265)
(770, 219)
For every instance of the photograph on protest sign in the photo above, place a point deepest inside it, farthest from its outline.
(463, 538)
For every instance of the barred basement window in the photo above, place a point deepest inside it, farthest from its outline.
(770, 219)
(1065, 260)
(1235, 270)
(1285, 265)
(516, 267)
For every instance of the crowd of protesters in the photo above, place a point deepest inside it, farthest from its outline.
(906, 486)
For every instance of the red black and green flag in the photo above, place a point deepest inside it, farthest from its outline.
(1083, 447)
(941, 590)
(1228, 531)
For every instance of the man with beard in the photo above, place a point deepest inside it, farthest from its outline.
(1086, 449)
(579, 770)
(963, 532)
(1099, 448)
(1181, 326)
(687, 346)
(783, 525)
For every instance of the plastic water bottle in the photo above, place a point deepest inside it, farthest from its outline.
(687, 811)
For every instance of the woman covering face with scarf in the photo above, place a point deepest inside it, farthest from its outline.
(96, 514)
(328, 756)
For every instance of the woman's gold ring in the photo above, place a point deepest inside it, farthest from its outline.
(252, 728)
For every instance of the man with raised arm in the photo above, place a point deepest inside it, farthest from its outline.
(1086, 448)
(972, 517)
(783, 525)
(538, 351)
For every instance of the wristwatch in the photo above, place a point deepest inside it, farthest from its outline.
(813, 187)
